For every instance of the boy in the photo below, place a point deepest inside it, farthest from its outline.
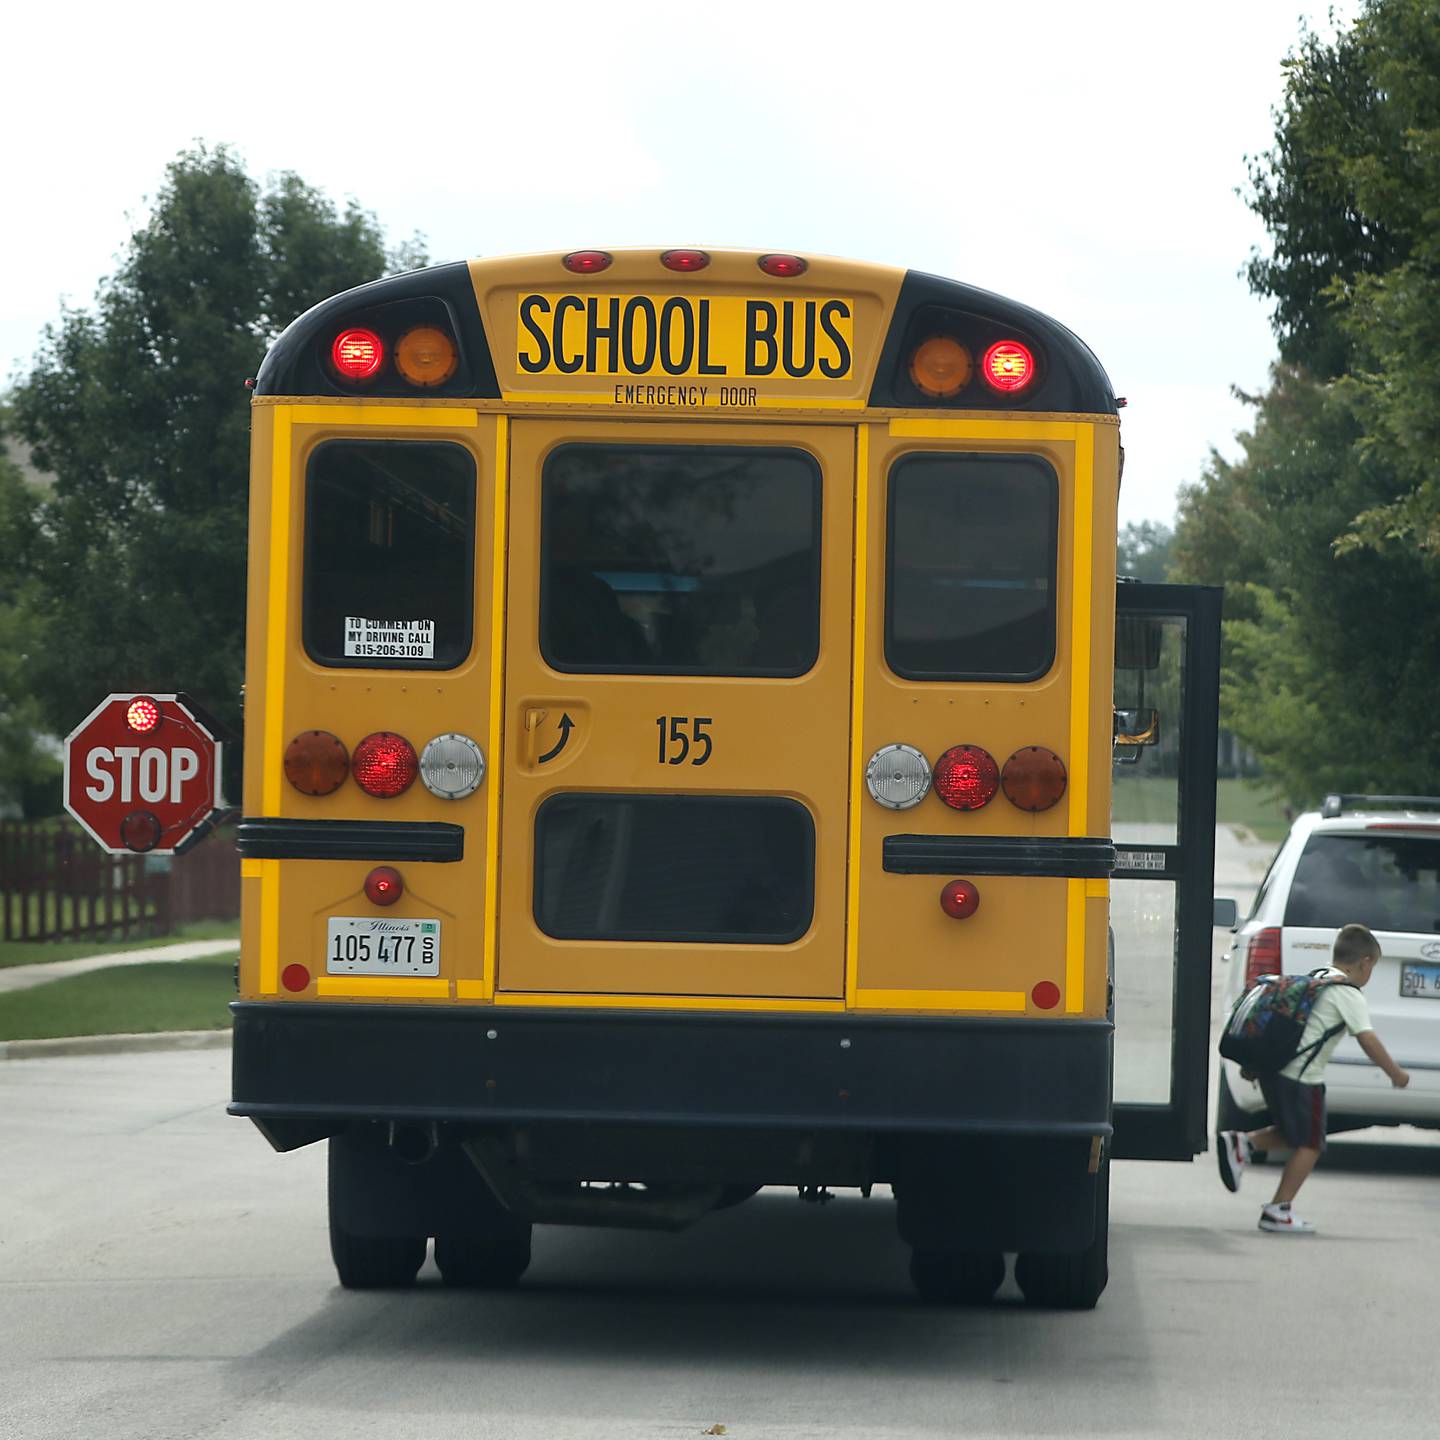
(1295, 1096)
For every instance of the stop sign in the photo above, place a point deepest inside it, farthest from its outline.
(142, 773)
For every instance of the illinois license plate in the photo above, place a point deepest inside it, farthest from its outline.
(363, 945)
(1422, 982)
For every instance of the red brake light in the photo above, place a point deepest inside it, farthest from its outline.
(959, 899)
(383, 885)
(966, 777)
(142, 715)
(783, 266)
(384, 764)
(1008, 366)
(1262, 955)
(357, 354)
(586, 262)
(684, 260)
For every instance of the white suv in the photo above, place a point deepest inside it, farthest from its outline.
(1375, 860)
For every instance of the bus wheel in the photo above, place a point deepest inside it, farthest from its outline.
(375, 1262)
(489, 1262)
(1076, 1281)
(945, 1278)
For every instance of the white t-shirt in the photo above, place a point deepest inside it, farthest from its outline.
(1335, 1005)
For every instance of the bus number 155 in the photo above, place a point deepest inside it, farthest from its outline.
(679, 734)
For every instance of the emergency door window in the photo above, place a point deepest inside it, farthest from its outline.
(680, 560)
(971, 567)
(389, 547)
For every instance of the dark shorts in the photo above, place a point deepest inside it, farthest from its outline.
(1296, 1110)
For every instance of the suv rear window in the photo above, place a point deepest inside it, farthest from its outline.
(1385, 881)
(389, 546)
(971, 567)
(680, 560)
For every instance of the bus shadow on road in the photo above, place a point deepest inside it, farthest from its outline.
(1381, 1157)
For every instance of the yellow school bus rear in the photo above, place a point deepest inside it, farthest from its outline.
(677, 758)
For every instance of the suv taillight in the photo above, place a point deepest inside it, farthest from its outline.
(1262, 955)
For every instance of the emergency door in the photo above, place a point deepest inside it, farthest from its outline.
(1167, 681)
(677, 688)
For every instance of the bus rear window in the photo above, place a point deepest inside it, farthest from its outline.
(389, 545)
(713, 868)
(680, 560)
(971, 567)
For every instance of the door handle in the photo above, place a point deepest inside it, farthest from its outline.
(531, 722)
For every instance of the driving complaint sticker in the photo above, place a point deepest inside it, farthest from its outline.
(697, 348)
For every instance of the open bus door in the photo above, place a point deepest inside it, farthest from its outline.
(1167, 674)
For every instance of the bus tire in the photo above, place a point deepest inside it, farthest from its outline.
(956, 1278)
(490, 1262)
(375, 1262)
(1075, 1281)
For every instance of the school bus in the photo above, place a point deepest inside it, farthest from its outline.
(682, 692)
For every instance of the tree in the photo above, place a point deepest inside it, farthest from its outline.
(1143, 550)
(133, 562)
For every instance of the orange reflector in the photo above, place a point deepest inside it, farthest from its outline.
(1033, 778)
(1008, 366)
(357, 354)
(426, 356)
(941, 366)
(316, 762)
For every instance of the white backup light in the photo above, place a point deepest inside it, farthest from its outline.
(898, 776)
(452, 766)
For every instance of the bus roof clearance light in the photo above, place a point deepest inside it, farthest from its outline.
(384, 765)
(587, 262)
(783, 267)
(685, 260)
(897, 777)
(142, 715)
(941, 367)
(452, 766)
(426, 356)
(1008, 366)
(966, 777)
(1034, 778)
(358, 354)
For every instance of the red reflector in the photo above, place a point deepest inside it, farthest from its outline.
(966, 777)
(1033, 778)
(383, 885)
(586, 262)
(384, 764)
(1046, 995)
(316, 763)
(783, 266)
(140, 831)
(684, 260)
(142, 715)
(357, 354)
(294, 977)
(959, 899)
(1008, 366)
(1262, 955)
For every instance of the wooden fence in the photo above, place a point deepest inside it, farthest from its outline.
(57, 884)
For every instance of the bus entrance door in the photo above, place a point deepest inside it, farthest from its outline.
(1167, 664)
(678, 633)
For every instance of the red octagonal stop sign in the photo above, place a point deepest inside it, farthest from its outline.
(142, 773)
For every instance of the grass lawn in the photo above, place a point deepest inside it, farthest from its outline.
(37, 952)
(166, 995)
(1237, 802)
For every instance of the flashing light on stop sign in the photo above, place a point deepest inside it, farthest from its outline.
(142, 715)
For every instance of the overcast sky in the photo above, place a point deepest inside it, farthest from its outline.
(1083, 159)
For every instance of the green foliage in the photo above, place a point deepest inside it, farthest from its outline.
(134, 563)
(1143, 550)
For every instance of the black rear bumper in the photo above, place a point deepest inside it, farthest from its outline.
(873, 1073)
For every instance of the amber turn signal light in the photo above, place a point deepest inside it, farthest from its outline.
(426, 356)
(941, 366)
(316, 762)
(1033, 778)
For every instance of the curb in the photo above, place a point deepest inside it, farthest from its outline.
(114, 1044)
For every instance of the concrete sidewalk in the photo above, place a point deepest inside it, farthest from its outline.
(24, 977)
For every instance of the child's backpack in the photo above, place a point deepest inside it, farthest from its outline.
(1264, 1030)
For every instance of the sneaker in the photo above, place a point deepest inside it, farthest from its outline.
(1282, 1220)
(1233, 1149)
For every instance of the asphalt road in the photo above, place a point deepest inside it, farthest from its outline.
(162, 1274)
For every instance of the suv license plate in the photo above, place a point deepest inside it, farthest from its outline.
(1421, 982)
(364, 945)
